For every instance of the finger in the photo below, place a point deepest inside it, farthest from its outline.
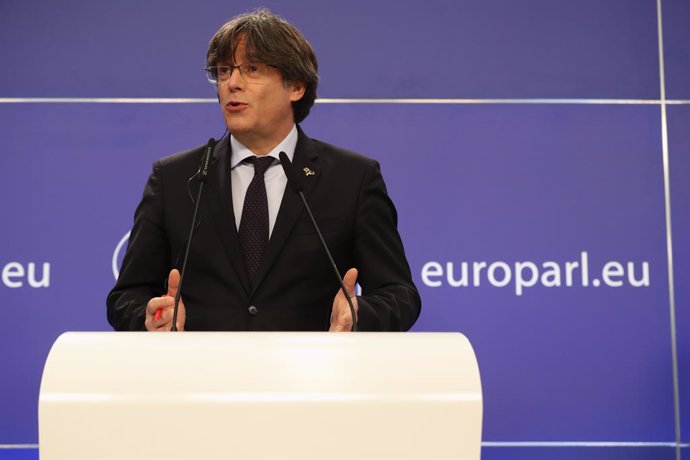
(165, 321)
(159, 311)
(159, 323)
(349, 280)
(157, 303)
(165, 327)
(173, 282)
(343, 322)
(341, 325)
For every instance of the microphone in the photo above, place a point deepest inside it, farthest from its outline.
(296, 185)
(203, 174)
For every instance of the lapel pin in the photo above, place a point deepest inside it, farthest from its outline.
(308, 172)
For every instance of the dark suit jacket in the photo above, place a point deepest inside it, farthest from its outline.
(295, 285)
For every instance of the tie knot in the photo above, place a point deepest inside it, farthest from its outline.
(261, 164)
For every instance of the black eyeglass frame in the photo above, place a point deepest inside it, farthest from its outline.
(244, 70)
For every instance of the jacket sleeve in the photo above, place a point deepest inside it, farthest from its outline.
(389, 301)
(146, 262)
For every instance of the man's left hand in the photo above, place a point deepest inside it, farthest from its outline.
(341, 318)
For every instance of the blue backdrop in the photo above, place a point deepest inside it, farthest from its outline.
(528, 146)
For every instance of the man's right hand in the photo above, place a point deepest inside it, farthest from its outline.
(166, 304)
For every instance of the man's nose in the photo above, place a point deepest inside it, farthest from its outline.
(235, 80)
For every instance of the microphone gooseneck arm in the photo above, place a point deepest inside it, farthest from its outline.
(203, 174)
(297, 187)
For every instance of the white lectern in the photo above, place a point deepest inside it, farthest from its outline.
(260, 395)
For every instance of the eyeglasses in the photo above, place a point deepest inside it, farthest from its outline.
(251, 72)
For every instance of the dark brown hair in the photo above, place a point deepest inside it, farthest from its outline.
(272, 40)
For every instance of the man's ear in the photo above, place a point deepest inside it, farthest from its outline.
(297, 91)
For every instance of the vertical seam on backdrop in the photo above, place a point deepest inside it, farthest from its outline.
(669, 238)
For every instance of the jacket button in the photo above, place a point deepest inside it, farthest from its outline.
(253, 310)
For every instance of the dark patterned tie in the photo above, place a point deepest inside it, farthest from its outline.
(254, 222)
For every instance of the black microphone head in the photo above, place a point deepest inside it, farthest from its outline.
(208, 153)
(293, 179)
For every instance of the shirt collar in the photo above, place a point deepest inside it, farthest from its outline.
(239, 152)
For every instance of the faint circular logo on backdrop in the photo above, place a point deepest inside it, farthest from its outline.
(118, 254)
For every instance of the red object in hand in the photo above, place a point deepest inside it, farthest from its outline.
(159, 312)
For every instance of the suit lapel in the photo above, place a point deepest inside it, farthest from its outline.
(291, 205)
(222, 211)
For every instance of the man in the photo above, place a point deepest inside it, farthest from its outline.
(256, 262)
